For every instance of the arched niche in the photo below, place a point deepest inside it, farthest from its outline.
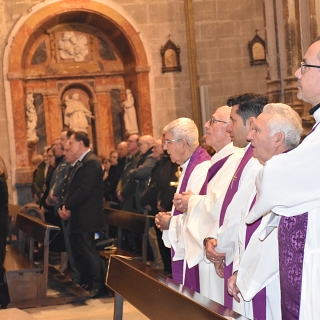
(36, 65)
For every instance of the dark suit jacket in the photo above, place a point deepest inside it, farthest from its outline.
(85, 196)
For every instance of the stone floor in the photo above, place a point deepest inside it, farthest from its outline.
(93, 309)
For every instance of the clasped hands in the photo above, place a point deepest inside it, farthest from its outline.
(64, 213)
(180, 200)
(216, 258)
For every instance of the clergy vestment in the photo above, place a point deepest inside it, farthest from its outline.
(194, 172)
(257, 267)
(227, 234)
(289, 185)
(202, 214)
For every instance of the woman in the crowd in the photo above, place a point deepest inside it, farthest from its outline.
(109, 181)
(58, 243)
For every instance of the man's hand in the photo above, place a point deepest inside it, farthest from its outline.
(162, 220)
(53, 198)
(180, 201)
(159, 207)
(119, 196)
(148, 207)
(216, 258)
(64, 213)
(233, 290)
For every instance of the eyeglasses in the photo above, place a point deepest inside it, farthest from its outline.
(303, 66)
(213, 120)
(167, 141)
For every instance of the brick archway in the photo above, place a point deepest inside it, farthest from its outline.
(49, 78)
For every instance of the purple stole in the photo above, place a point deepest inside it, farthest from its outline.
(199, 156)
(260, 299)
(292, 237)
(191, 277)
(292, 232)
(232, 189)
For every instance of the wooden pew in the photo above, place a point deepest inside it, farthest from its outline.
(156, 296)
(27, 280)
(133, 222)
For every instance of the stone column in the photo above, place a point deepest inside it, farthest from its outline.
(103, 120)
(291, 20)
(273, 81)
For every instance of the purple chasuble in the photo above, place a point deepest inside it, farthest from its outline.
(259, 301)
(191, 277)
(232, 189)
(292, 237)
(199, 156)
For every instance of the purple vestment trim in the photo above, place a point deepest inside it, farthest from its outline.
(199, 156)
(259, 301)
(212, 172)
(292, 237)
(232, 189)
(191, 279)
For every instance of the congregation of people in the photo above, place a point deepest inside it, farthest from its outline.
(238, 225)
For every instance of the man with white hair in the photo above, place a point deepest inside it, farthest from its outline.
(289, 186)
(275, 131)
(182, 142)
(200, 207)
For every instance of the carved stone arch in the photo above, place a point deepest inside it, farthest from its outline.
(39, 28)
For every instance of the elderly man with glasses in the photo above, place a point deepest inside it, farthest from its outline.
(289, 186)
(181, 140)
(197, 221)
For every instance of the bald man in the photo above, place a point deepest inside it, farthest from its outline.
(141, 174)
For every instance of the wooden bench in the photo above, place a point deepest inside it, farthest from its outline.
(129, 221)
(27, 280)
(156, 296)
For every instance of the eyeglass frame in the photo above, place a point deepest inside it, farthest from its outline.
(166, 141)
(213, 120)
(303, 65)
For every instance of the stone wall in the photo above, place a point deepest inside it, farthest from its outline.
(222, 31)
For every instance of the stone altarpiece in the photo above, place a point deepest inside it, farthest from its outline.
(59, 52)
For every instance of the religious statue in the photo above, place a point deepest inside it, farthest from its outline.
(76, 115)
(32, 118)
(130, 116)
(73, 47)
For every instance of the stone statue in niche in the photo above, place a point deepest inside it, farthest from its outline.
(32, 118)
(130, 116)
(76, 115)
(73, 47)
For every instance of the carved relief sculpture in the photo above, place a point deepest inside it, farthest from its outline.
(73, 47)
(130, 116)
(76, 115)
(32, 118)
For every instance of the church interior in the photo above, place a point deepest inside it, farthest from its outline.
(178, 58)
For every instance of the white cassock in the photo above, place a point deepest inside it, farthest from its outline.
(172, 237)
(202, 214)
(228, 234)
(289, 185)
(257, 265)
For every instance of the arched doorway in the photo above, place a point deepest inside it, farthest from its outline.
(63, 48)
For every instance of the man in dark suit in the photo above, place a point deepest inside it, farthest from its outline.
(83, 205)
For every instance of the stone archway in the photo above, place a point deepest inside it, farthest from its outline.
(40, 65)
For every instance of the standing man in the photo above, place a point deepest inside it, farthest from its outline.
(182, 143)
(201, 212)
(276, 130)
(289, 186)
(83, 205)
(126, 187)
(142, 173)
(225, 240)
